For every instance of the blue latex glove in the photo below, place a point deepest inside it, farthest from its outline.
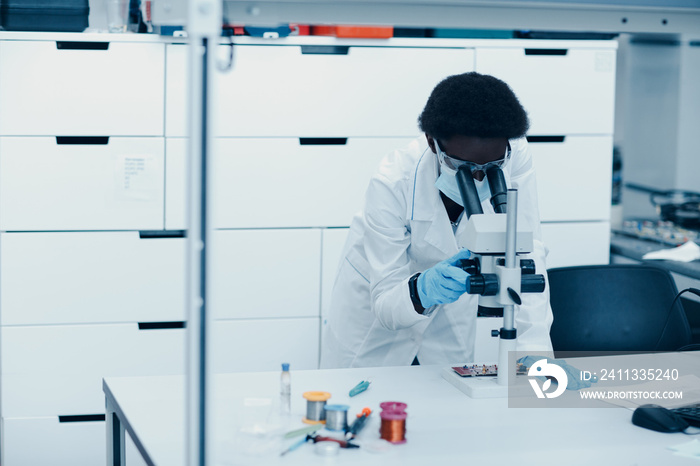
(573, 375)
(443, 283)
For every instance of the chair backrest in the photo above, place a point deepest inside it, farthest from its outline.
(616, 308)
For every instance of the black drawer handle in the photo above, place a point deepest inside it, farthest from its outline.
(546, 51)
(161, 325)
(159, 234)
(82, 418)
(66, 45)
(538, 139)
(325, 49)
(323, 141)
(82, 140)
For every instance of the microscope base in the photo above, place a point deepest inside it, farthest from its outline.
(476, 387)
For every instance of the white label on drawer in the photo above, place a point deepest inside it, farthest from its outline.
(136, 178)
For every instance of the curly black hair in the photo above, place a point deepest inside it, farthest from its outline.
(473, 104)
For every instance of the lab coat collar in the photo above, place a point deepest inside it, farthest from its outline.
(428, 215)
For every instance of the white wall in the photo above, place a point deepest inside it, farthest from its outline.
(688, 167)
(657, 118)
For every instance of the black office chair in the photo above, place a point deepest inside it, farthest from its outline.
(616, 308)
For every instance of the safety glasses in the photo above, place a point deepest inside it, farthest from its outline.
(453, 164)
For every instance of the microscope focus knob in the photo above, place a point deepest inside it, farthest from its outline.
(471, 266)
(532, 283)
(484, 284)
(527, 266)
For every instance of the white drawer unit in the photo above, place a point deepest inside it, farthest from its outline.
(321, 89)
(265, 273)
(333, 244)
(574, 177)
(47, 440)
(60, 440)
(176, 170)
(565, 89)
(88, 277)
(264, 344)
(58, 369)
(576, 243)
(294, 182)
(60, 88)
(81, 183)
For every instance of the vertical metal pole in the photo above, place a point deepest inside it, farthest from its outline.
(511, 234)
(507, 342)
(511, 227)
(203, 25)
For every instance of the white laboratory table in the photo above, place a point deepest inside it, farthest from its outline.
(443, 425)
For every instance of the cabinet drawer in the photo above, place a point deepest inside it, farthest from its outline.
(262, 345)
(81, 184)
(176, 170)
(290, 90)
(574, 177)
(50, 88)
(284, 182)
(333, 244)
(565, 91)
(62, 278)
(266, 273)
(585, 243)
(52, 370)
(35, 441)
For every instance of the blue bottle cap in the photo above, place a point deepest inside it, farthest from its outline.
(285, 366)
(336, 407)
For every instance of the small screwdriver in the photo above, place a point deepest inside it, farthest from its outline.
(359, 423)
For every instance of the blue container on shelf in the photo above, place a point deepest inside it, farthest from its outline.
(44, 15)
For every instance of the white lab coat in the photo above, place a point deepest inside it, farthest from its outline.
(403, 229)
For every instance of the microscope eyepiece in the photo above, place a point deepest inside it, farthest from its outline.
(467, 189)
(499, 190)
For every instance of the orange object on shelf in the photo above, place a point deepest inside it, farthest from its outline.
(301, 29)
(363, 32)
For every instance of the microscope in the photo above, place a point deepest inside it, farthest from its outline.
(494, 274)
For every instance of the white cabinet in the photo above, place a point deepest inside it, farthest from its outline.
(333, 244)
(61, 88)
(331, 255)
(81, 150)
(176, 170)
(46, 440)
(263, 345)
(574, 177)
(265, 273)
(576, 243)
(89, 277)
(285, 182)
(567, 88)
(58, 369)
(305, 87)
(66, 183)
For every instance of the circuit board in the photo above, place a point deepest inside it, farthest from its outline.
(476, 370)
(484, 370)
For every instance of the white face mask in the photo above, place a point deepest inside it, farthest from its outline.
(447, 183)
